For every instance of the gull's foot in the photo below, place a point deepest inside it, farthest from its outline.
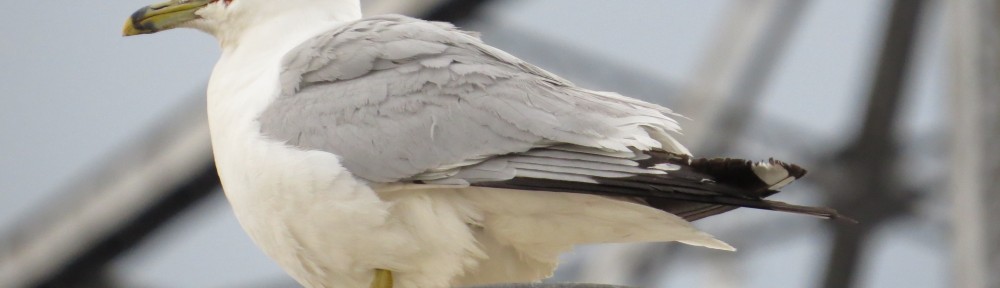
(382, 279)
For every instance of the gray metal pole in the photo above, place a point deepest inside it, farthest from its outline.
(974, 53)
(868, 191)
(57, 246)
(737, 65)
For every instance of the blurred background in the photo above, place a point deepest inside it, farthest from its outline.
(106, 177)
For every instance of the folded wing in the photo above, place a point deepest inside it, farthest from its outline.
(405, 100)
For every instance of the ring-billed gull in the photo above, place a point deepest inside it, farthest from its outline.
(391, 151)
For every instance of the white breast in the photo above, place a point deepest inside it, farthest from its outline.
(319, 223)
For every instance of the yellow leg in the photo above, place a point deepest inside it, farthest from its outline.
(383, 279)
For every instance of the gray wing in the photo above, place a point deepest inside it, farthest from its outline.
(397, 97)
(405, 100)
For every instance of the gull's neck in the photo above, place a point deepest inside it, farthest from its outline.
(245, 79)
(283, 31)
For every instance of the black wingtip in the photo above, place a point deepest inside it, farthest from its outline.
(740, 173)
(842, 218)
(793, 170)
(821, 212)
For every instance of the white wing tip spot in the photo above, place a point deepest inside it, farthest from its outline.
(774, 175)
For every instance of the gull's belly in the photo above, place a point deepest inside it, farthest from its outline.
(298, 208)
(310, 215)
(327, 229)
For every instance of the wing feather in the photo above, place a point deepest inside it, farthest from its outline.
(406, 100)
(424, 95)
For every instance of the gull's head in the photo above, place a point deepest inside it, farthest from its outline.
(224, 18)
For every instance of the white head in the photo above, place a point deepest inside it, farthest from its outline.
(228, 19)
